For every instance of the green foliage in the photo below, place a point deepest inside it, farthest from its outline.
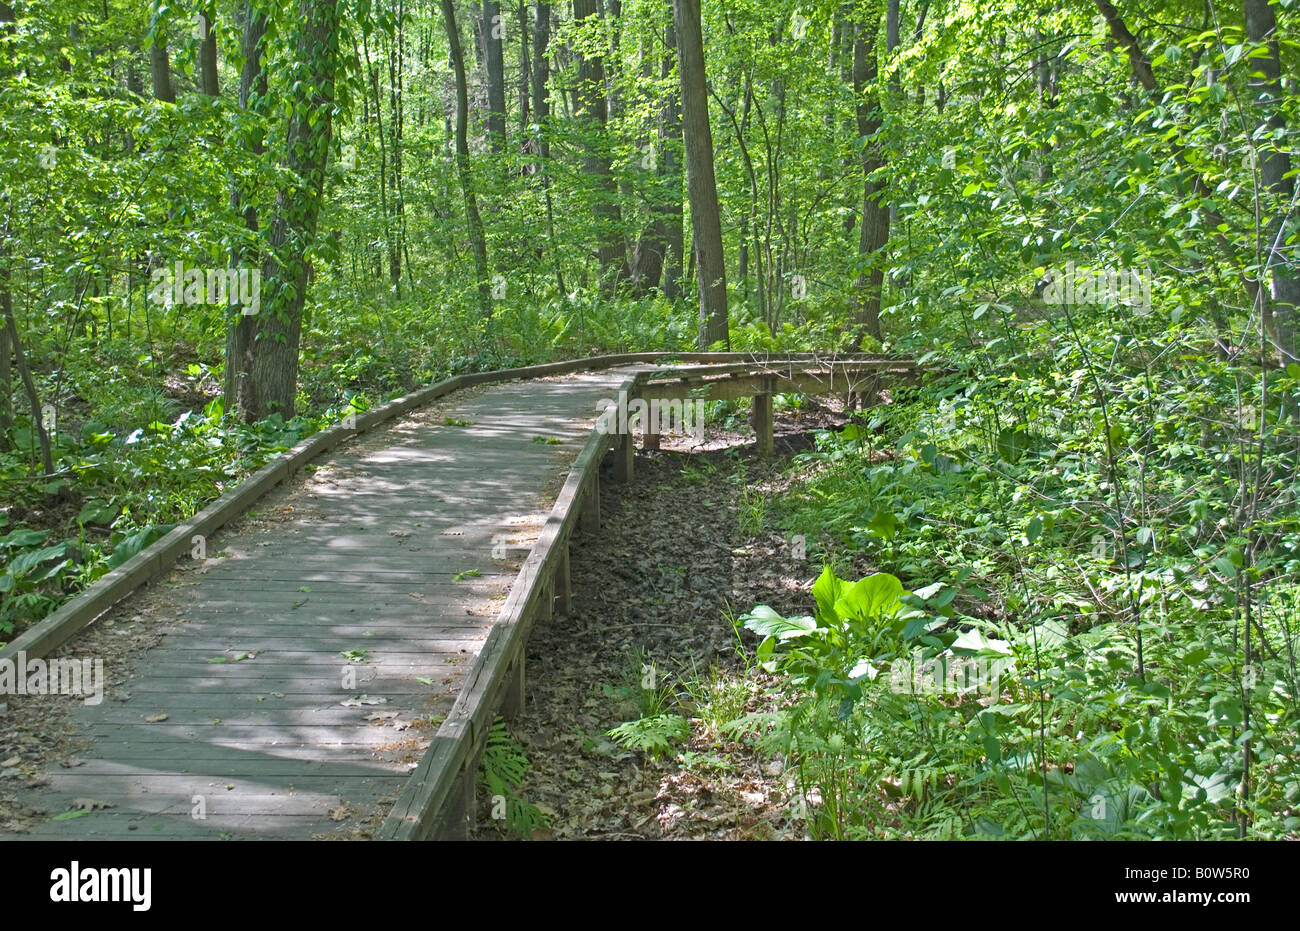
(654, 735)
(503, 769)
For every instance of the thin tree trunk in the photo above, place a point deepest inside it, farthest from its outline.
(477, 238)
(7, 19)
(592, 101)
(542, 74)
(542, 116)
(670, 136)
(398, 123)
(6, 372)
(706, 222)
(15, 343)
(524, 71)
(241, 327)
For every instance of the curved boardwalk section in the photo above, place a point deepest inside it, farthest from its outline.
(308, 659)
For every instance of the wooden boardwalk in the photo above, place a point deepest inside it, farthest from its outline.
(308, 659)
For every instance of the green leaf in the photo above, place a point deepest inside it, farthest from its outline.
(873, 598)
(33, 558)
(69, 815)
(23, 538)
(133, 543)
(768, 623)
(826, 591)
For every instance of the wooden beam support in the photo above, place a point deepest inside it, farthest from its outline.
(546, 609)
(624, 457)
(512, 704)
(459, 811)
(589, 518)
(563, 584)
(761, 418)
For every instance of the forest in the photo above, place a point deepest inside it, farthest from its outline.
(1048, 588)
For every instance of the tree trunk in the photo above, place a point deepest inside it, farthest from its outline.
(494, 28)
(208, 54)
(541, 74)
(396, 120)
(1280, 309)
(6, 379)
(476, 235)
(875, 216)
(6, 372)
(706, 221)
(160, 67)
(542, 116)
(654, 249)
(592, 102)
(274, 376)
(240, 327)
(15, 343)
(7, 19)
(671, 134)
(524, 71)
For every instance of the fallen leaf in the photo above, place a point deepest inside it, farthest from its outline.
(156, 718)
(69, 815)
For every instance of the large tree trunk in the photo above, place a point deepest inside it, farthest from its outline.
(160, 67)
(875, 215)
(477, 237)
(706, 221)
(241, 327)
(592, 102)
(273, 385)
(494, 27)
(1280, 308)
